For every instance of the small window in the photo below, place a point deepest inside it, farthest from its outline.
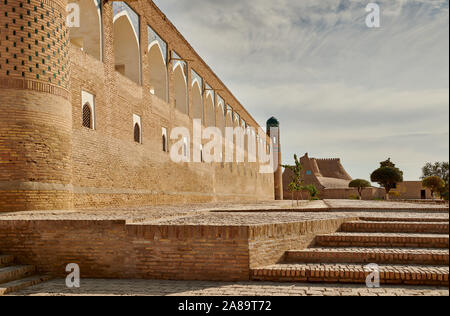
(137, 133)
(201, 153)
(87, 109)
(137, 129)
(87, 116)
(165, 142)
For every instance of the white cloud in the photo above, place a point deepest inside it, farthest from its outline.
(338, 88)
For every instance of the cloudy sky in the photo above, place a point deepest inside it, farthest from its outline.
(339, 88)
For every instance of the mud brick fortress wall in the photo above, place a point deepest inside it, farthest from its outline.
(330, 178)
(49, 160)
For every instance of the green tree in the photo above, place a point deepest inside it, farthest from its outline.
(359, 184)
(296, 184)
(387, 163)
(388, 175)
(438, 169)
(434, 183)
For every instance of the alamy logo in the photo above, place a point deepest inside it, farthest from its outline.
(73, 278)
(373, 18)
(373, 279)
(206, 145)
(73, 15)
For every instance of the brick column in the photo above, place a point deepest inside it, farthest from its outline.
(35, 107)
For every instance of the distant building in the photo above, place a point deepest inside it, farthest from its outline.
(411, 190)
(330, 178)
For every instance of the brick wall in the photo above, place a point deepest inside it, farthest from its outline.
(48, 160)
(367, 194)
(113, 249)
(411, 190)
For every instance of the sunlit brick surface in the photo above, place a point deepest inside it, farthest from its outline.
(48, 160)
(195, 288)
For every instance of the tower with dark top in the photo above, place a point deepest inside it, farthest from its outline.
(273, 130)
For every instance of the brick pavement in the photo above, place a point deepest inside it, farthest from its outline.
(92, 287)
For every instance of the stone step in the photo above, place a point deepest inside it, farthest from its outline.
(405, 219)
(396, 227)
(385, 240)
(21, 284)
(12, 273)
(352, 273)
(369, 255)
(6, 260)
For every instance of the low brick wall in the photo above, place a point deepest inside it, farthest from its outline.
(268, 243)
(114, 249)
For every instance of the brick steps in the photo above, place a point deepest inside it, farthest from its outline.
(16, 277)
(6, 260)
(12, 273)
(406, 250)
(352, 273)
(348, 239)
(405, 219)
(369, 255)
(21, 284)
(396, 227)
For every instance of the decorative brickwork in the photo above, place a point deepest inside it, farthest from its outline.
(34, 41)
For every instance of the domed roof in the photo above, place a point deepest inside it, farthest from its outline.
(273, 122)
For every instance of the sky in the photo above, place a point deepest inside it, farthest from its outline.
(338, 88)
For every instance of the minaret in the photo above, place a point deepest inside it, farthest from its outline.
(35, 107)
(273, 130)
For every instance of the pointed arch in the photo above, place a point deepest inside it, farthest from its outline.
(126, 47)
(210, 115)
(137, 133)
(229, 120)
(197, 101)
(220, 118)
(180, 86)
(88, 36)
(158, 71)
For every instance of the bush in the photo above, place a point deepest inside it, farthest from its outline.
(394, 194)
(353, 197)
(311, 188)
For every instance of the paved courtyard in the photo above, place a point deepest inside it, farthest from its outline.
(372, 214)
(239, 214)
(196, 288)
